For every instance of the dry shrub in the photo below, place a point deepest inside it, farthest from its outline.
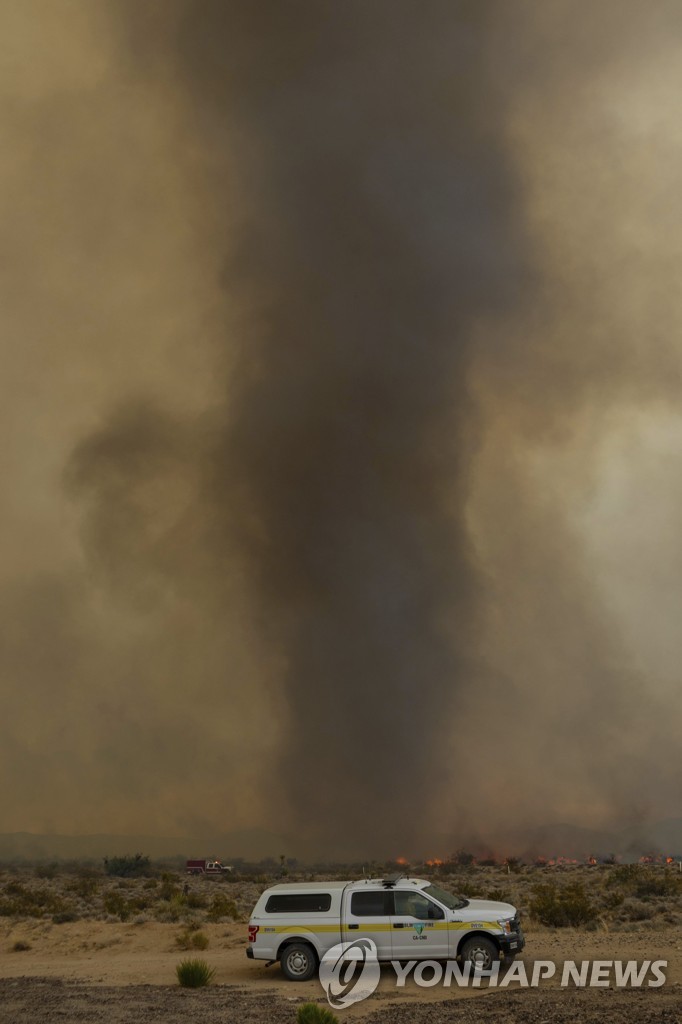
(222, 906)
(313, 1013)
(564, 907)
(189, 939)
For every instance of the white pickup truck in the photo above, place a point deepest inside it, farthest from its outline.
(407, 918)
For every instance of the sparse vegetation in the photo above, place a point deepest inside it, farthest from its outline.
(500, 895)
(194, 973)
(17, 900)
(85, 886)
(189, 939)
(624, 875)
(620, 896)
(641, 881)
(20, 947)
(649, 884)
(46, 871)
(313, 1013)
(169, 886)
(633, 910)
(469, 889)
(612, 899)
(117, 906)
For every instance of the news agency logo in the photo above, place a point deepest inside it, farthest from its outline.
(350, 972)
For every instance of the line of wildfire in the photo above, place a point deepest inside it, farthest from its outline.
(463, 860)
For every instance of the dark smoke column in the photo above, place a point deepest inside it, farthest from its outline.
(374, 228)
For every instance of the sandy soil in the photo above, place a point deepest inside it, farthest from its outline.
(24, 1001)
(99, 971)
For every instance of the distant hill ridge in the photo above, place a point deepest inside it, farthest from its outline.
(664, 837)
(254, 844)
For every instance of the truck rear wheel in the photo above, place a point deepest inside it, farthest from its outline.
(298, 961)
(480, 952)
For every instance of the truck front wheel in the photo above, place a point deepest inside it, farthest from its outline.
(298, 961)
(480, 952)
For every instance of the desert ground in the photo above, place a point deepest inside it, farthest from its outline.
(79, 945)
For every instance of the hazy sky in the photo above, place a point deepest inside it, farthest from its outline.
(341, 417)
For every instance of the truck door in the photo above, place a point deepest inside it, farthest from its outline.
(367, 913)
(418, 926)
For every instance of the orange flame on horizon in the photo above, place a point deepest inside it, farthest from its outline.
(452, 863)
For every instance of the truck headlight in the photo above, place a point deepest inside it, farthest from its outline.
(505, 925)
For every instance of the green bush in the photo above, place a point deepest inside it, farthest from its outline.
(499, 895)
(195, 901)
(222, 906)
(176, 906)
(169, 886)
(470, 889)
(649, 884)
(85, 886)
(624, 875)
(613, 900)
(313, 1013)
(129, 866)
(463, 858)
(64, 916)
(115, 904)
(139, 903)
(642, 881)
(561, 908)
(194, 973)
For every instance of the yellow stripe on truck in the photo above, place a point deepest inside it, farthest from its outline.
(439, 926)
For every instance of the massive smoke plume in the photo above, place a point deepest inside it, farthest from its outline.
(375, 236)
(353, 334)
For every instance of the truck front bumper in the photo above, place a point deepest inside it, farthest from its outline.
(249, 952)
(512, 943)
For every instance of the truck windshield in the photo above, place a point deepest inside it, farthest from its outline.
(446, 898)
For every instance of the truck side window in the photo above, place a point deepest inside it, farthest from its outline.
(298, 903)
(413, 904)
(373, 903)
